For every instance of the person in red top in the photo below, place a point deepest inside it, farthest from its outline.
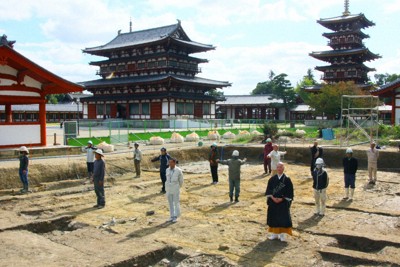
(267, 161)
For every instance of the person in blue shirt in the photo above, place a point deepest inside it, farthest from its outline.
(164, 158)
(99, 171)
(23, 168)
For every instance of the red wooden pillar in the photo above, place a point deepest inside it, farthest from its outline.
(42, 121)
(8, 113)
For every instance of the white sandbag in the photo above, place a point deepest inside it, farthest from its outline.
(213, 135)
(280, 131)
(229, 135)
(193, 137)
(255, 132)
(243, 133)
(300, 132)
(176, 138)
(106, 147)
(156, 140)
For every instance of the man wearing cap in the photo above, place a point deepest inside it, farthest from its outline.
(267, 161)
(373, 155)
(164, 158)
(99, 170)
(90, 149)
(212, 158)
(320, 184)
(350, 166)
(137, 157)
(173, 185)
(234, 165)
(23, 168)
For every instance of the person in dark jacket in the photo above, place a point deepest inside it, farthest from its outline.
(267, 161)
(164, 158)
(350, 166)
(279, 198)
(212, 158)
(320, 184)
(99, 170)
(23, 169)
(316, 152)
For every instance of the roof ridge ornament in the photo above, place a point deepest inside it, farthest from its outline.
(5, 42)
(346, 8)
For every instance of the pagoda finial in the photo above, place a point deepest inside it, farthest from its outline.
(346, 8)
(130, 24)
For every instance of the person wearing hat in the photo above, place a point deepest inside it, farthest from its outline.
(234, 165)
(316, 152)
(23, 168)
(90, 149)
(373, 155)
(164, 158)
(212, 158)
(173, 185)
(350, 166)
(99, 171)
(267, 161)
(137, 157)
(320, 184)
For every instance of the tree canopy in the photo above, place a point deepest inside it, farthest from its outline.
(382, 79)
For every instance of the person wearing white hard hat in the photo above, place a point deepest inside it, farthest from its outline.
(89, 149)
(373, 155)
(267, 161)
(212, 158)
(234, 165)
(350, 166)
(23, 168)
(320, 184)
(275, 157)
(99, 172)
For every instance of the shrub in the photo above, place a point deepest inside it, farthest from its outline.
(269, 129)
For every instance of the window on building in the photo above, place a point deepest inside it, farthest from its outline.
(173, 63)
(141, 65)
(134, 109)
(206, 109)
(162, 63)
(108, 109)
(131, 66)
(145, 108)
(180, 108)
(189, 108)
(151, 64)
(121, 67)
(99, 109)
(112, 68)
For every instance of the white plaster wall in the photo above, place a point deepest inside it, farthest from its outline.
(282, 112)
(165, 108)
(8, 70)
(28, 81)
(212, 111)
(19, 93)
(19, 134)
(6, 82)
(172, 108)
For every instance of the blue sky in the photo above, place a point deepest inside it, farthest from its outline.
(251, 37)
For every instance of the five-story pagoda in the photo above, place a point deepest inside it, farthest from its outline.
(150, 74)
(349, 53)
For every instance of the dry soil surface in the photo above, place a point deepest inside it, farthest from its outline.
(57, 226)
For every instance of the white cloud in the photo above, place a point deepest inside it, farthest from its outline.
(392, 7)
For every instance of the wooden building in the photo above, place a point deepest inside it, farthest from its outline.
(150, 74)
(391, 90)
(22, 82)
(348, 55)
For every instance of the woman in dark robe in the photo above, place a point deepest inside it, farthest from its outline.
(279, 198)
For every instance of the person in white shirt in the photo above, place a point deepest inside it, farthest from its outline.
(90, 149)
(173, 185)
(275, 157)
(137, 157)
(373, 155)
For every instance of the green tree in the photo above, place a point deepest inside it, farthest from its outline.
(308, 80)
(265, 88)
(328, 100)
(381, 79)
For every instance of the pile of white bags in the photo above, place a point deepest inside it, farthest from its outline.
(300, 132)
(213, 135)
(255, 132)
(156, 140)
(243, 134)
(229, 135)
(193, 137)
(177, 138)
(106, 147)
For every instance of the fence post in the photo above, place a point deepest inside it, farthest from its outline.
(109, 129)
(174, 125)
(160, 125)
(90, 129)
(144, 125)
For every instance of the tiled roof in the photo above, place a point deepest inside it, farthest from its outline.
(387, 85)
(154, 78)
(147, 36)
(348, 18)
(125, 97)
(331, 53)
(232, 100)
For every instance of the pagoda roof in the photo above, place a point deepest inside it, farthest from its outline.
(323, 55)
(153, 95)
(249, 100)
(173, 32)
(387, 89)
(331, 23)
(155, 79)
(330, 34)
(329, 67)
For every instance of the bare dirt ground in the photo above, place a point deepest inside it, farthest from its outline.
(57, 226)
